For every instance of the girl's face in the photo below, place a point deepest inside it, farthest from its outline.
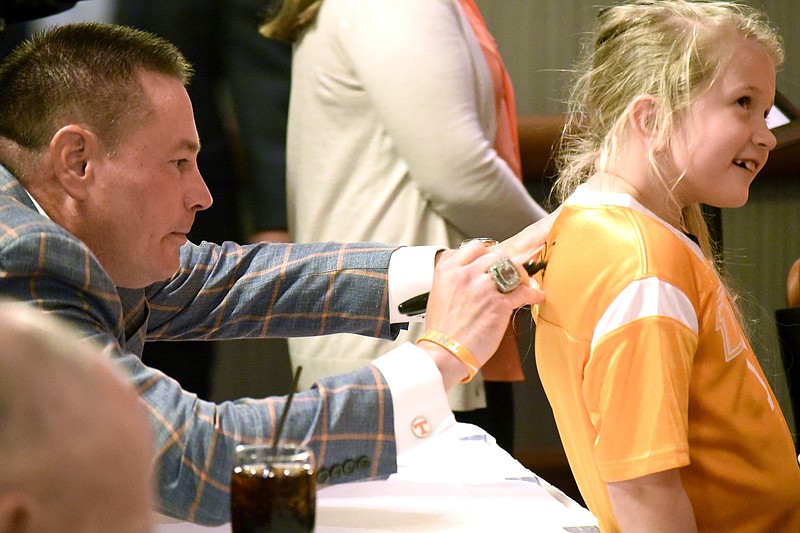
(723, 141)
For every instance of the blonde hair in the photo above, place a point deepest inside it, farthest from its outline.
(668, 49)
(293, 16)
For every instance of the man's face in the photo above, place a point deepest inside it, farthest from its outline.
(145, 195)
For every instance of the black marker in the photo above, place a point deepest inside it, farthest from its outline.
(416, 306)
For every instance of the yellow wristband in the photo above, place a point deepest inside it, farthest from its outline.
(454, 347)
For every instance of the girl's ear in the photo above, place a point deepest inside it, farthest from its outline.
(642, 117)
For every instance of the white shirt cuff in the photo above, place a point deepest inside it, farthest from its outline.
(410, 274)
(419, 400)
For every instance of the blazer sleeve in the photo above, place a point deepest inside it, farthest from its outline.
(347, 420)
(276, 290)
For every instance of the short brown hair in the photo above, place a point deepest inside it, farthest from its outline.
(82, 73)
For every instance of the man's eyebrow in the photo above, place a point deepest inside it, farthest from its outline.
(192, 146)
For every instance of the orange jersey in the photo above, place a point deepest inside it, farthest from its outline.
(647, 369)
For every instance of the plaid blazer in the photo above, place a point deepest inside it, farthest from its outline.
(220, 292)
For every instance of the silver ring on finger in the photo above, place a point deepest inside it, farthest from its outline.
(505, 275)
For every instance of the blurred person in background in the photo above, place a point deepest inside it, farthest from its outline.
(402, 129)
(76, 447)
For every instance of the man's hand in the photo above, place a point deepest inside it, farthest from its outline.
(524, 245)
(527, 243)
(466, 305)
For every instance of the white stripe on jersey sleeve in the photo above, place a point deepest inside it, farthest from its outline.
(643, 298)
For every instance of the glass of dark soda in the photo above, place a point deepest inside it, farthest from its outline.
(273, 490)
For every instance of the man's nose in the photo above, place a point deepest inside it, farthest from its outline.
(199, 197)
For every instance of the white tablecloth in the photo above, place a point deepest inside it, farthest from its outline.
(459, 480)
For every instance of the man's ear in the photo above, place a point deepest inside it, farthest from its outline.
(15, 513)
(72, 150)
(642, 117)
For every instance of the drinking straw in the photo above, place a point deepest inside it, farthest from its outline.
(286, 410)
